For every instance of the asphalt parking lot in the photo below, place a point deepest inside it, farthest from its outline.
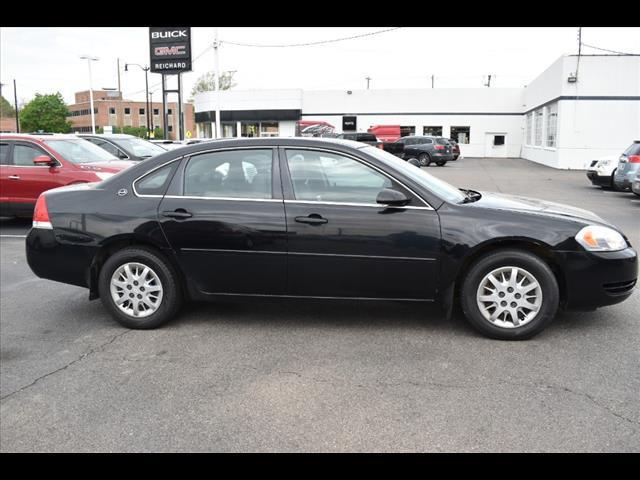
(320, 376)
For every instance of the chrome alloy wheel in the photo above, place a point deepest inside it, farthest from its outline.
(136, 289)
(509, 297)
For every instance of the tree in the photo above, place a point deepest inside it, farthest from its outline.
(207, 82)
(6, 109)
(47, 113)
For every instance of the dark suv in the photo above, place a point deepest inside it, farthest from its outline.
(368, 138)
(427, 149)
(628, 166)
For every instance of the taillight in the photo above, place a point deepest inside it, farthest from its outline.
(634, 158)
(439, 147)
(41, 214)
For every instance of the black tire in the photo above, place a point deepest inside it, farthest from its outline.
(503, 258)
(425, 159)
(172, 293)
(415, 162)
(613, 185)
(441, 164)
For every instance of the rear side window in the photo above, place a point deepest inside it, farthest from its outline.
(634, 149)
(156, 182)
(230, 174)
(4, 153)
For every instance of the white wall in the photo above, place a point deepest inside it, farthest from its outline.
(289, 99)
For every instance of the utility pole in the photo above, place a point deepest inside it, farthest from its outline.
(125, 66)
(488, 84)
(15, 103)
(368, 79)
(90, 59)
(146, 82)
(216, 45)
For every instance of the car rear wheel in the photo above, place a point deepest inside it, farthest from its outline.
(510, 295)
(425, 159)
(441, 164)
(139, 288)
(415, 162)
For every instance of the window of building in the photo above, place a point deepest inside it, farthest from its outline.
(169, 111)
(170, 129)
(462, 135)
(529, 129)
(432, 131)
(127, 111)
(538, 127)
(156, 111)
(228, 129)
(407, 131)
(498, 139)
(250, 129)
(269, 129)
(112, 110)
(141, 111)
(326, 177)
(552, 125)
(234, 173)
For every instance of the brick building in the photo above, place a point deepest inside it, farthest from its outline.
(8, 125)
(111, 109)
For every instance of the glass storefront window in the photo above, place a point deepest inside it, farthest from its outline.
(269, 129)
(250, 129)
(229, 129)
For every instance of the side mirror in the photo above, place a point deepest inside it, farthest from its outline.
(388, 196)
(44, 160)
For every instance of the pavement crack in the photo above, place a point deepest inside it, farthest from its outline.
(86, 354)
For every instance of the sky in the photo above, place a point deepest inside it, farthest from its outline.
(46, 60)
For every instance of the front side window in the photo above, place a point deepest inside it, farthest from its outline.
(230, 174)
(23, 155)
(327, 177)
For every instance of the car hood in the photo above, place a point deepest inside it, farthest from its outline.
(111, 166)
(533, 205)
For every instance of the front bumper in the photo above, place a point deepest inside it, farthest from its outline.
(597, 279)
(599, 180)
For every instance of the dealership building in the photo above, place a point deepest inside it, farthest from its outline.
(578, 109)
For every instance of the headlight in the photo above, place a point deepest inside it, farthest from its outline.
(104, 175)
(600, 239)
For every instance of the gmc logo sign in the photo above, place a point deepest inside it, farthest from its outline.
(173, 34)
(164, 51)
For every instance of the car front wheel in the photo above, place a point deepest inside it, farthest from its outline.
(510, 295)
(139, 288)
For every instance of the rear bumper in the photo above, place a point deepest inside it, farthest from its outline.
(50, 259)
(442, 157)
(624, 180)
(599, 180)
(597, 279)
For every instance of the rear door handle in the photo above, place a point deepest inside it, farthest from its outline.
(313, 219)
(14, 177)
(178, 213)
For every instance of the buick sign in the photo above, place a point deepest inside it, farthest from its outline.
(170, 49)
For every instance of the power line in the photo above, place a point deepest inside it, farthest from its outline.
(309, 43)
(607, 50)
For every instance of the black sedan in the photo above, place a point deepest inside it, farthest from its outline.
(323, 219)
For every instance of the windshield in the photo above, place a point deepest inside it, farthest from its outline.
(139, 147)
(440, 188)
(80, 150)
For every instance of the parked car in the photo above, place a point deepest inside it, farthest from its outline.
(628, 166)
(367, 138)
(602, 170)
(455, 148)
(32, 164)
(427, 149)
(635, 186)
(324, 219)
(123, 146)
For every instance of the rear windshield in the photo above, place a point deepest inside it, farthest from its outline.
(442, 141)
(80, 150)
(634, 149)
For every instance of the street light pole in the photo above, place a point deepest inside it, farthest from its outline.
(146, 82)
(90, 59)
(216, 44)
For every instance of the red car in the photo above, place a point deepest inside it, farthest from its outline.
(31, 164)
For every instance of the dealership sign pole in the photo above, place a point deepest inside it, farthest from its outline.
(170, 51)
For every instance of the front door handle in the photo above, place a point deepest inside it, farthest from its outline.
(14, 177)
(177, 213)
(313, 219)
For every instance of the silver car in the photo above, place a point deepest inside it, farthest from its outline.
(628, 167)
(635, 186)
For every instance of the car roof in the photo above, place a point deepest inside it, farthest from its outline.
(38, 136)
(107, 135)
